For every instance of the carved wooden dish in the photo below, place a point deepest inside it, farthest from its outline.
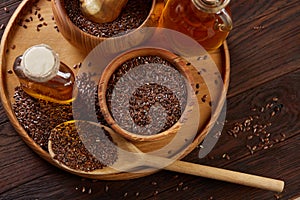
(86, 42)
(21, 34)
(179, 63)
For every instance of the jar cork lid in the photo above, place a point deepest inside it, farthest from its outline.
(40, 63)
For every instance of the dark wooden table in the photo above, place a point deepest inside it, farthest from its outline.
(265, 81)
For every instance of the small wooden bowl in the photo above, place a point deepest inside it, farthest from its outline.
(86, 42)
(179, 63)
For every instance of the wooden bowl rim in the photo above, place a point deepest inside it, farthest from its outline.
(113, 66)
(56, 4)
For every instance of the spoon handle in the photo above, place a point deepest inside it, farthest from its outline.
(227, 175)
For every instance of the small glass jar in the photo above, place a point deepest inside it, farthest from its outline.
(206, 21)
(43, 76)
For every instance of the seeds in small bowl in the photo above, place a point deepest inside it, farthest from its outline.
(143, 93)
(85, 34)
(132, 16)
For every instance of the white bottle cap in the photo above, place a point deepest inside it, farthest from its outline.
(40, 63)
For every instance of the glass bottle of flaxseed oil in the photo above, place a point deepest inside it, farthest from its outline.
(206, 21)
(43, 76)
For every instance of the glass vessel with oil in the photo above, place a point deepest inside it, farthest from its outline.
(43, 76)
(206, 21)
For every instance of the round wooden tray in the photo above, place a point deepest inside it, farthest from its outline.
(22, 32)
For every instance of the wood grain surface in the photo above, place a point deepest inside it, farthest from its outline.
(265, 66)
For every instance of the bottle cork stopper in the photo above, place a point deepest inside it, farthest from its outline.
(40, 63)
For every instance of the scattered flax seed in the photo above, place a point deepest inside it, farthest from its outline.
(153, 183)
(24, 26)
(258, 27)
(2, 26)
(137, 194)
(125, 194)
(90, 191)
(275, 99)
(203, 99)
(10, 71)
(83, 189)
(204, 57)
(273, 114)
(277, 196)
(106, 188)
(229, 132)
(45, 24)
(283, 135)
(56, 28)
(6, 9)
(211, 157)
(227, 157)
(155, 193)
(185, 188)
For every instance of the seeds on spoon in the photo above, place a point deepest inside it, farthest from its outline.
(82, 146)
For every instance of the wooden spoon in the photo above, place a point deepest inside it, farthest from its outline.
(130, 158)
(102, 11)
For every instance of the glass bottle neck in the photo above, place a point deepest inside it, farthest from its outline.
(210, 6)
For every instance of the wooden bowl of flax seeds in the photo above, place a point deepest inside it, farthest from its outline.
(145, 94)
(85, 34)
